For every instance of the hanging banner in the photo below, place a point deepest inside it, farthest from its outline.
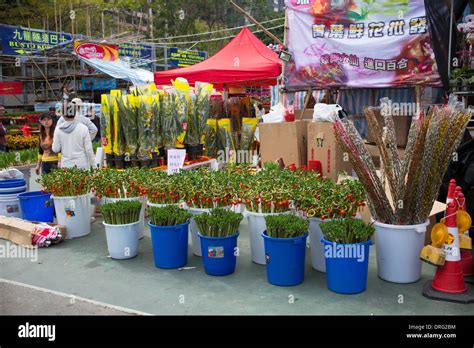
(11, 88)
(138, 54)
(96, 51)
(356, 43)
(181, 58)
(19, 41)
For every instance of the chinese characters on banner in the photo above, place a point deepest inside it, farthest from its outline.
(175, 160)
(337, 43)
(21, 41)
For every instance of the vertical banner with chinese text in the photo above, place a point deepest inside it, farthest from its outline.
(355, 43)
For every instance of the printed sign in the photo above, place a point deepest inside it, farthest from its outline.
(138, 54)
(175, 160)
(97, 51)
(358, 43)
(101, 84)
(181, 58)
(22, 41)
(11, 88)
(215, 252)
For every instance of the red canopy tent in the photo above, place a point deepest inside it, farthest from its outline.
(244, 60)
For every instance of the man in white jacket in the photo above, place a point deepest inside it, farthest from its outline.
(73, 140)
(76, 106)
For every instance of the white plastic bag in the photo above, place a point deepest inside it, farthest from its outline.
(275, 115)
(12, 173)
(326, 112)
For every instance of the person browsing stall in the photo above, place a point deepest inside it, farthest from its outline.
(47, 159)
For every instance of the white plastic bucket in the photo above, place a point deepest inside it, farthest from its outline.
(122, 240)
(141, 232)
(256, 227)
(10, 205)
(398, 250)
(75, 213)
(318, 261)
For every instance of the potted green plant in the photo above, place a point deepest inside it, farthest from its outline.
(285, 249)
(346, 249)
(122, 224)
(169, 236)
(319, 200)
(265, 193)
(218, 231)
(196, 120)
(70, 189)
(127, 185)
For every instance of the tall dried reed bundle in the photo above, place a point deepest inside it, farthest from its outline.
(413, 181)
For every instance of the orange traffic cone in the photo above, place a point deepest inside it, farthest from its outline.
(448, 283)
(451, 189)
(467, 264)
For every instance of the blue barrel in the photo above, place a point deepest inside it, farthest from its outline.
(170, 245)
(346, 266)
(219, 254)
(36, 206)
(285, 259)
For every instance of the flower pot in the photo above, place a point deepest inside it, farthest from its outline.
(120, 161)
(141, 232)
(170, 245)
(194, 151)
(318, 261)
(219, 254)
(154, 160)
(145, 163)
(122, 240)
(346, 266)
(36, 206)
(134, 163)
(256, 227)
(285, 259)
(110, 160)
(398, 250)
(75, 213)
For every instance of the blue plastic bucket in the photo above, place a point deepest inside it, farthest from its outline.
(36, 206)
(285, 259)
(170, 245)
(11, 186)
(219, 254)
(346, 266)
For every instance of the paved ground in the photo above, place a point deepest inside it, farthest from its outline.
(81, 267)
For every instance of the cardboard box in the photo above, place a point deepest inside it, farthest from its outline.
(402, 127)
(375, 153)
(321, 139)
(16, 230)
(285, 140)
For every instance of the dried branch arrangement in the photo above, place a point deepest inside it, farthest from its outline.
(413, 181)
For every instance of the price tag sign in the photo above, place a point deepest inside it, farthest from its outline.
(175, 160)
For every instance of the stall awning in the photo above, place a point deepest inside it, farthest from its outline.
(244, 60)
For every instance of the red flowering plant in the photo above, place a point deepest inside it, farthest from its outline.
(326, 199)
(269, 190)
(165, 189)
(67, 182)
(120, 184)
(206, 189)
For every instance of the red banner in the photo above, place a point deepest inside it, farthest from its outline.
(10, 88)
(98, 51)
